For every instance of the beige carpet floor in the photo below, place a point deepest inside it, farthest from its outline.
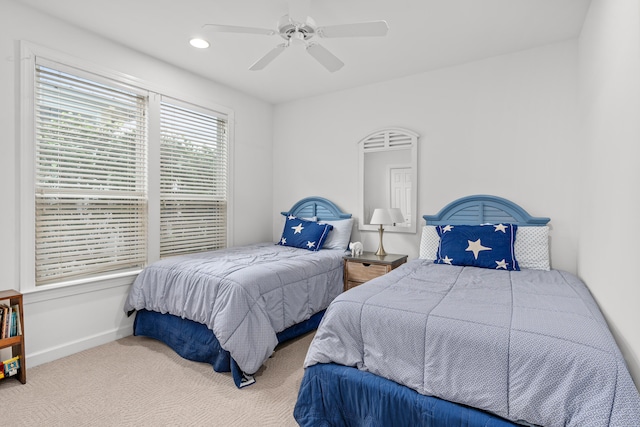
(140, 381)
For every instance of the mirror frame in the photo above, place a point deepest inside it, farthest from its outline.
(388, 139)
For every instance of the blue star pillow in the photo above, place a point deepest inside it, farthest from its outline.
(304, 234)
(486, 246)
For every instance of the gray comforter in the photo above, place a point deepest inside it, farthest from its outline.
(530, 346)
(245, 295)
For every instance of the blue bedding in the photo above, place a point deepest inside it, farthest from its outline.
(335, 395)
(194, 341)
(529, 346)
(244, 295)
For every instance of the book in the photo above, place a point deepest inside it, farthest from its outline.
(17, 325)
(5, 320)
(14, 324)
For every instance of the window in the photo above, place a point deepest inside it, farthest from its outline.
(118, 176)
(90, 185)
(193, 181)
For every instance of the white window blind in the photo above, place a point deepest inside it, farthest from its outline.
(193, 180)
(90, 183)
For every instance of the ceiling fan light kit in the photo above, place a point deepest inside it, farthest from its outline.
(303, 33)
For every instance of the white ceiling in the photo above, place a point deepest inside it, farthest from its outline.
(423, 35)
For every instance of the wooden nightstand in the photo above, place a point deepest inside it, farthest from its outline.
(367, 266)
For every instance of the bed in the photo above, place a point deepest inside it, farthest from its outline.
(508, 341)
(232, 307)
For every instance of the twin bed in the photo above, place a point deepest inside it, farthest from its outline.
(231, 307)
(476, 332)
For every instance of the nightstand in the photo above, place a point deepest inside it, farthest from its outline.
(367, 266)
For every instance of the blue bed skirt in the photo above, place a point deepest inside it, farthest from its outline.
(336, 395)
(195, 341)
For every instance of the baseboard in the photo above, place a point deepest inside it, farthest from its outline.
(67, 349)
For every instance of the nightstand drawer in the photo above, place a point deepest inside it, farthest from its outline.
(368, 266)
(349, 284)
(363, 271)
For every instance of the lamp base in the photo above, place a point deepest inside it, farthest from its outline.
(381, 251)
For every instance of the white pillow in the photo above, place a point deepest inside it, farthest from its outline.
(340, 236)
(531, 246)
(429, 243)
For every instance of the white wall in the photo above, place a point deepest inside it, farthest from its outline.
(610, 101)
(504, 126)
(61, 322)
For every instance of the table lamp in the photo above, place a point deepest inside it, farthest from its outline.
(381, 217)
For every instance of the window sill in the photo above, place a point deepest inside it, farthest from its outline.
(68, 289)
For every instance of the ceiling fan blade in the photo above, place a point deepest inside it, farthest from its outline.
(324, 57)
(270, 56)
(362, 29)
(299, 10)
(235, 29)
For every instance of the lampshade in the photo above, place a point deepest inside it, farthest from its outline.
(396, 215)
(381, 216)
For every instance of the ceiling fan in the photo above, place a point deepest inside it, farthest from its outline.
(298, 28)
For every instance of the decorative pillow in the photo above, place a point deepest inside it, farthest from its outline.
(532, 247)
(304, 234)
(486, 246)
(340, 236)
(429, 243)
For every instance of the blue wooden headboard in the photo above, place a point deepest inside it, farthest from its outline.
(322, 209)
(483, 209)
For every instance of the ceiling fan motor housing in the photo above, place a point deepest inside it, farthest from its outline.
(287, 28)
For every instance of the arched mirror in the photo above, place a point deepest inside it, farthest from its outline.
(388, 171)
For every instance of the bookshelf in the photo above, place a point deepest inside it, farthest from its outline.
(16, 343)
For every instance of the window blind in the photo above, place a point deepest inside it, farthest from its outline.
(90, 183)
(193, 180)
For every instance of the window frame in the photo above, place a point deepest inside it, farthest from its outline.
(86, 94)
(173, 105)
(29, 54)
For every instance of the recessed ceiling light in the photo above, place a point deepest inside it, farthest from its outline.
(199, 43)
